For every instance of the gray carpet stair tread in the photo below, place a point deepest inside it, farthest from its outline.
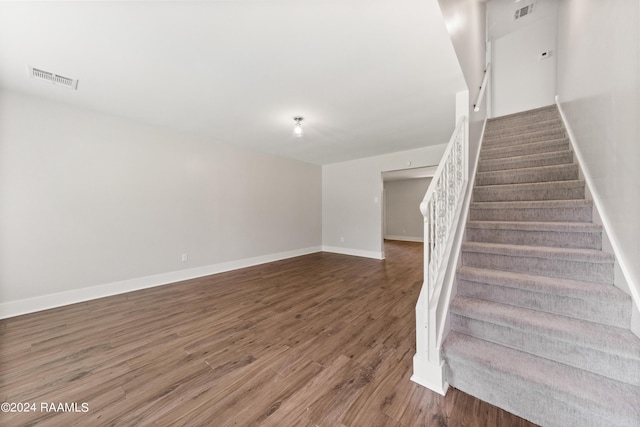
(585, 227)
(551, 109)
(536, 233)
(494, 129)
(549, 173)
(528, 204)
(565, 210)
(584, 255)
(563, 382)
(526, 147)
(554, 190)
(543, 284)
(544, 113)
(526, 160)
(494, 126)
(525, 135)
(532, 185)
(572, 331)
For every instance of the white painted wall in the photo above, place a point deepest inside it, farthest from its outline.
(599, 94)
(521, 80)
(466, 24)
(352, 199)
(500, 15)
(92, 200)
(403, 219)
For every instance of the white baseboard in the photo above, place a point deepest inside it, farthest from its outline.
(405, 238)
(353, 252)
(45, 302)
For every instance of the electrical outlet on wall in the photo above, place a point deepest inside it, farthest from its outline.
(185, 257)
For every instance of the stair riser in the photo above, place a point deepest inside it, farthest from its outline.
(525, 149)
(568, 269)
(607, 312)
(548, 127)
(515, 396)
(511, 163)
(515, 120)
(510, 194)
(574, 214)
(494, 130)
(557, 239)
(597, 361)
(556, 173)
(501, 141)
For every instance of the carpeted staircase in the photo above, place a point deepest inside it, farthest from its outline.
(537, 326)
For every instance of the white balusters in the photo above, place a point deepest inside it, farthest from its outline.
(441, 200)
(440, 208)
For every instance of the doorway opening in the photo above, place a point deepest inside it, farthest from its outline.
(402, 193)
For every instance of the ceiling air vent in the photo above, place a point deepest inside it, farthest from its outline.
(53, 78)
(523, 11)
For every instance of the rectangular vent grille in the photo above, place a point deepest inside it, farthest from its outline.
(53, 78)
(523, 11)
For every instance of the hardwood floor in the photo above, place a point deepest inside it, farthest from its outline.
(323, 339)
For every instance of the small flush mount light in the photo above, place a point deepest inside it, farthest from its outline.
(297, 129)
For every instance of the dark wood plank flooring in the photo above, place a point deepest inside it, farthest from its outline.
(318, 340)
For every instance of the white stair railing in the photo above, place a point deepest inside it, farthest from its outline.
(483, 88)
(441, 208)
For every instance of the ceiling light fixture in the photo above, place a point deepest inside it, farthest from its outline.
(297, 129)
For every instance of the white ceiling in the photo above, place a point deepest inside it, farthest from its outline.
(369, 76)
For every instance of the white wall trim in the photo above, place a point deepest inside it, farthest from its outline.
(45, 302)
(606, 222)
(405, 238)
(353, 252)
